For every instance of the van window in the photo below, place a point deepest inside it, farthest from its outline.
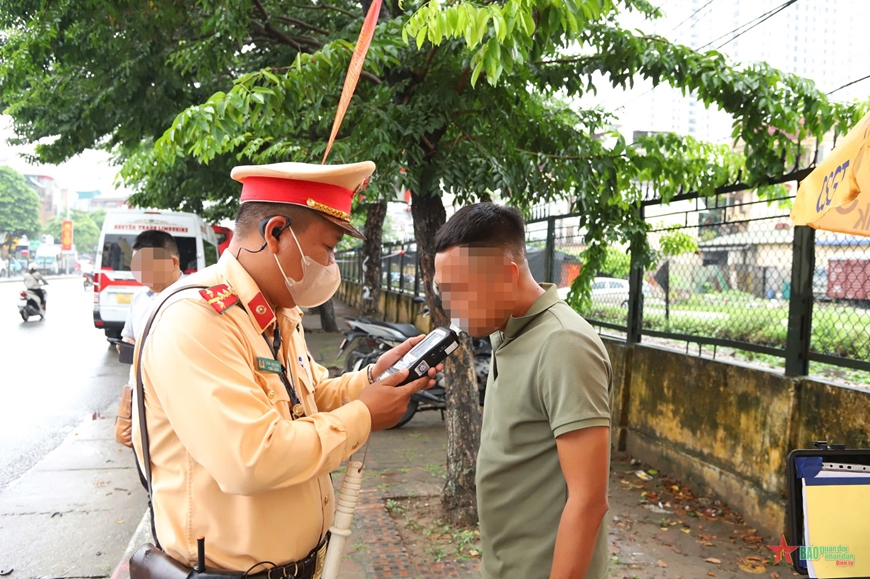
(118, 252)
(211, 253)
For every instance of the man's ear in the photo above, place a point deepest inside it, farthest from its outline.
(272, 232)
(176, 263)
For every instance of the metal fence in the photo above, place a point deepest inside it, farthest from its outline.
(400, 271)
(753, 288)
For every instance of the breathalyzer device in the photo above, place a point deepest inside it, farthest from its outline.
(433, 350)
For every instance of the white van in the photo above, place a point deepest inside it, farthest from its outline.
(114, 285)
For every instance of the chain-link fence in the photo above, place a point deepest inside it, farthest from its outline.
(841, 296)
(723, 273)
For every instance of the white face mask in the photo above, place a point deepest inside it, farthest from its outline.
(318, 284)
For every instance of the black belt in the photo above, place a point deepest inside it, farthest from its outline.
(308, 568)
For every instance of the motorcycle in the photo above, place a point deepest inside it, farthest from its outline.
(29, 305)
(373, 338)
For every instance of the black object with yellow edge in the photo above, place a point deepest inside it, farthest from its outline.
(829, 511)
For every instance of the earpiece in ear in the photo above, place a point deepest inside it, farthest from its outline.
(276, 233)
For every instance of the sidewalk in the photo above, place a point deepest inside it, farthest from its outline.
(72, 515)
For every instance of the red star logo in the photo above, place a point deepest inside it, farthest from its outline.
(782, 550)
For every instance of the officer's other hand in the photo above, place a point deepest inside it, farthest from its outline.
(390, 357)
(387, 401)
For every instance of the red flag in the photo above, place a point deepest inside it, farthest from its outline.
(354, 70)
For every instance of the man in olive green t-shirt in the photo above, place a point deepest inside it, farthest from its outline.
(544, 459)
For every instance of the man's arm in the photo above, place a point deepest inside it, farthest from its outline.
(575, 378)
(584, 457)
(127, 333)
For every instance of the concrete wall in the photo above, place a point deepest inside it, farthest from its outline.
(725, 428)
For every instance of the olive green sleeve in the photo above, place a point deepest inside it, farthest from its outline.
(574, 377)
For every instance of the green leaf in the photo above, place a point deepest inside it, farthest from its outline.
(476, 72)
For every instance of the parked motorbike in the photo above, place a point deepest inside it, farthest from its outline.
(373, 338)
(30, 305)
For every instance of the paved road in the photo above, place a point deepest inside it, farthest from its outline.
(53, 374)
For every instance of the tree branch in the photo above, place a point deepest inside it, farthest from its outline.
(325, 7)
(301, 24)
(370, 77)
(463, 80)
(565, 60)
(261, 9)
(422, 74)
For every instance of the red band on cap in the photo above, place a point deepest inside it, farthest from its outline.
(277, 190)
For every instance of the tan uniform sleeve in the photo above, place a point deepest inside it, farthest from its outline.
(333, 393)
(200, 368)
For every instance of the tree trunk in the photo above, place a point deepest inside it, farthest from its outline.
(327, 317)
(463, 412)
(371, 251)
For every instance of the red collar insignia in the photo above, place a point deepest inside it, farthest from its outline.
(261, 311)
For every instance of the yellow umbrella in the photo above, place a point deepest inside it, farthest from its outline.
(836, 195)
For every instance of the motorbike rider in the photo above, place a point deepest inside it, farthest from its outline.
(33, 281)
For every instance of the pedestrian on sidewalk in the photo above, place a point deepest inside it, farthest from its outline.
(544, 459)
(244, 426)
(156, 265)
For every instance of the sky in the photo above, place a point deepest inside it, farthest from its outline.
(89, 171)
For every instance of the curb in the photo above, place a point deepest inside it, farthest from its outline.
(139, 538)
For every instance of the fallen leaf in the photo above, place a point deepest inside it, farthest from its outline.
(774, 575)
(754, 558)
(661, 564)
(710, 574)
(751, 566)
(642, 475)
(120, 522)
(653, 471)
(713, 560)
(685, 530)
(707, 537)
(677, 551)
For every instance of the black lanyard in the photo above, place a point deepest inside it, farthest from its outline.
(275, 348)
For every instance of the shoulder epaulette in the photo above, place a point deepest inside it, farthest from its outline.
(219, 297)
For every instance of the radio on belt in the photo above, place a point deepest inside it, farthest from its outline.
(433, 350)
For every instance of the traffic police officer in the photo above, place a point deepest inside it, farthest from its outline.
(244, 425)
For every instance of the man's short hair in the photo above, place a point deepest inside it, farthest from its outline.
(252, 213)
(156, 239)
(485, 225)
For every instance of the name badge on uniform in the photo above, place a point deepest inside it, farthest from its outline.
(267, 365)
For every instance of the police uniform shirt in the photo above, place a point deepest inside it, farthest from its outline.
(228, 461)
